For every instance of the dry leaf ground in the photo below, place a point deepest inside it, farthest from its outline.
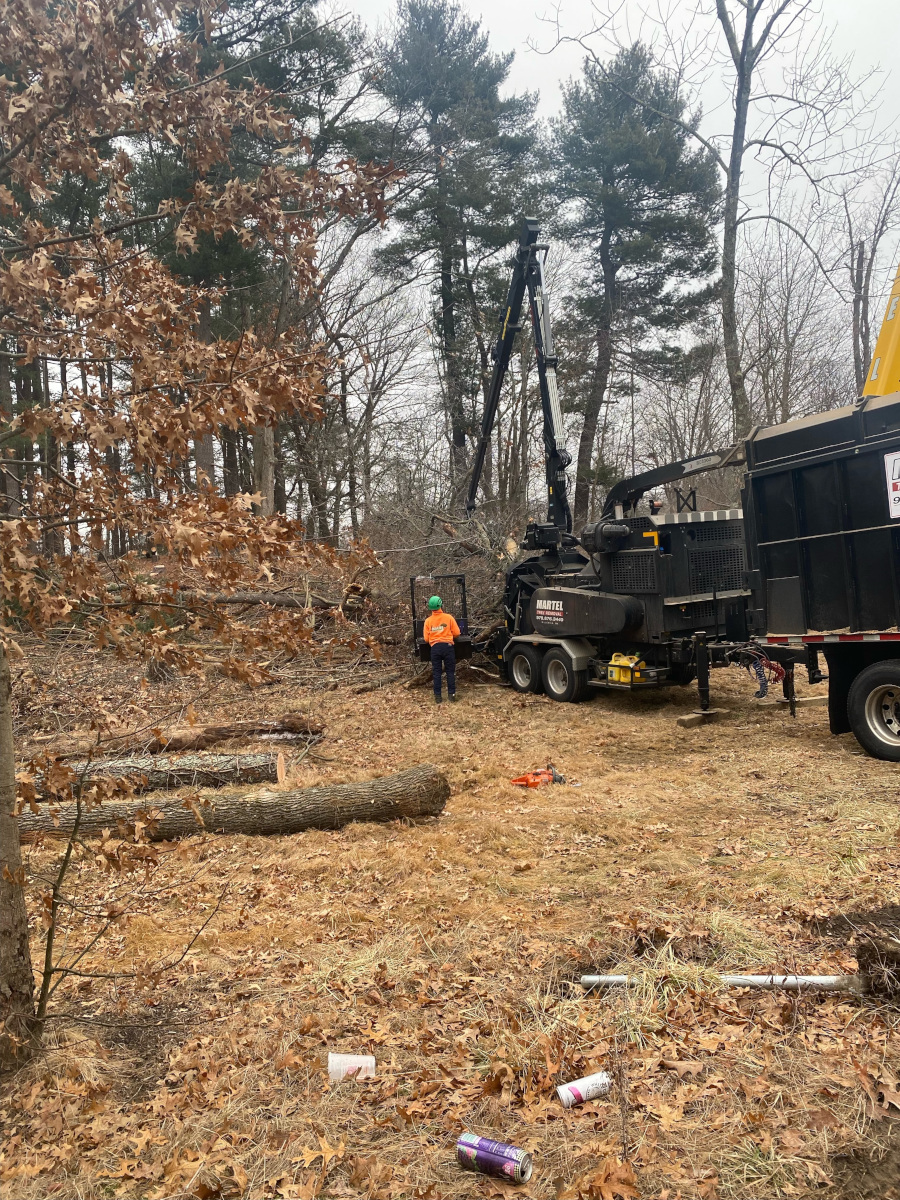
(449, 950)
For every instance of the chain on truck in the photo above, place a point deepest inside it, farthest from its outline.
(809, 566)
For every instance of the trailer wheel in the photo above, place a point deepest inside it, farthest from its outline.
(561, 681)
(873, 708)
(525, 669)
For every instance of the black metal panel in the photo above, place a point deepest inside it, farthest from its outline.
(870, 556)
(780, 560)
(716, 568)
(819, 499)
(573, 612)
(819, 515)
(784, 601)
(865, 490)
(827, 603)
(633, 571)
(775, 507)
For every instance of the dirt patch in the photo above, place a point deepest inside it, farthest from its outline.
(863, 1176)
(885, 919)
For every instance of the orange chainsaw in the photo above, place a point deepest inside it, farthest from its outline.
(548, 774)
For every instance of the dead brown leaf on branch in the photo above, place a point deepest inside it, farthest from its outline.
(140, 379)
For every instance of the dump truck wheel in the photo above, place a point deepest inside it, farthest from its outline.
(561, 681)
(873, 707)
(525, 669)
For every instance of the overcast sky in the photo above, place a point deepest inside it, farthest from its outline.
(866, 28)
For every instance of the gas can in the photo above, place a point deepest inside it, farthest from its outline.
(623, 668)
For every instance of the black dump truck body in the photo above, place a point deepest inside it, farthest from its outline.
(822, 509)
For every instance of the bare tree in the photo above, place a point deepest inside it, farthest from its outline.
(800, 121)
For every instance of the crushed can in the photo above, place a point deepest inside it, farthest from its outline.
(474, 1153)
(359, 1066)
(579, 1091)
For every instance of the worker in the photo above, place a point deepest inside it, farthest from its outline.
(439, 631)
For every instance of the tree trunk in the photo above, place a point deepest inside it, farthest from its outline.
(205, 457)
(264, 469)
(584, 469)
(231, 477)
(150, 773)
(419, 792)
(449, 347)
(10, 480)
(16, 978)
(857, 267)
(279, 487)
(743, 64)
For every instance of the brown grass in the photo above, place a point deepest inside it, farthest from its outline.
(449, 950)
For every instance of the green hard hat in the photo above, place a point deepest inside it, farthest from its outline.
(434, 603)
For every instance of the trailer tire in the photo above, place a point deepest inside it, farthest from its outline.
(561, 681)
(873, 709)
(524, 667)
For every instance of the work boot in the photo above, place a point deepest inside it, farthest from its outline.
(453, 697)
(438, 700)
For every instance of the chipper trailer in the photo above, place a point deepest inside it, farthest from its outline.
(810, 564)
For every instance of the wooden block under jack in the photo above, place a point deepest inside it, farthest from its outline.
(699, 717)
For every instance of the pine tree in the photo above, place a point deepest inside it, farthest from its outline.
(470, 155)
(641, 204)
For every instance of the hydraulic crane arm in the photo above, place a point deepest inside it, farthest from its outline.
(528, 275)
(627, 492)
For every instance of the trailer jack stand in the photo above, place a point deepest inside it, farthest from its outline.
(701, 657)
(704, 714)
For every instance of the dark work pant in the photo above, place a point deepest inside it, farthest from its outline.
(444, 652)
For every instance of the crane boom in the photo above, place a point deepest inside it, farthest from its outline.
(528, 275)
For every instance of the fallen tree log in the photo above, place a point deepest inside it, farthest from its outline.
(290, 727)
(273, 599)
(149, 773)
(419, 792)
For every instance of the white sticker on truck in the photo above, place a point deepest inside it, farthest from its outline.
(892, 471)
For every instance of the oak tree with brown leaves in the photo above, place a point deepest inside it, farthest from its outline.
(126, 378)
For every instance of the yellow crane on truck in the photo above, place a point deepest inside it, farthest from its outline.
(884, 373)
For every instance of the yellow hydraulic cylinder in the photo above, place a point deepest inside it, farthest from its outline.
(884, 373)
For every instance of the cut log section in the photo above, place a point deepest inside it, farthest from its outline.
(150, 773)
(419, 792)
(290, 727)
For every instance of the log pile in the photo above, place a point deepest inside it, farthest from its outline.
(418, 792)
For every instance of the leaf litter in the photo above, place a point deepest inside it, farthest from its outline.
(450, 950)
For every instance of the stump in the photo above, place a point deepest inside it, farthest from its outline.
(419, 792)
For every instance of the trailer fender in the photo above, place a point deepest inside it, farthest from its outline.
(580, 651)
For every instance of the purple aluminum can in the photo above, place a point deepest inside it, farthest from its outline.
(474, 1153)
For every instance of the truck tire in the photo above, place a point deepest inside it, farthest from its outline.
(873, 708)
(561, 681)
(524, 666)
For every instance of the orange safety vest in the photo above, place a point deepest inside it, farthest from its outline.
(440, 627)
